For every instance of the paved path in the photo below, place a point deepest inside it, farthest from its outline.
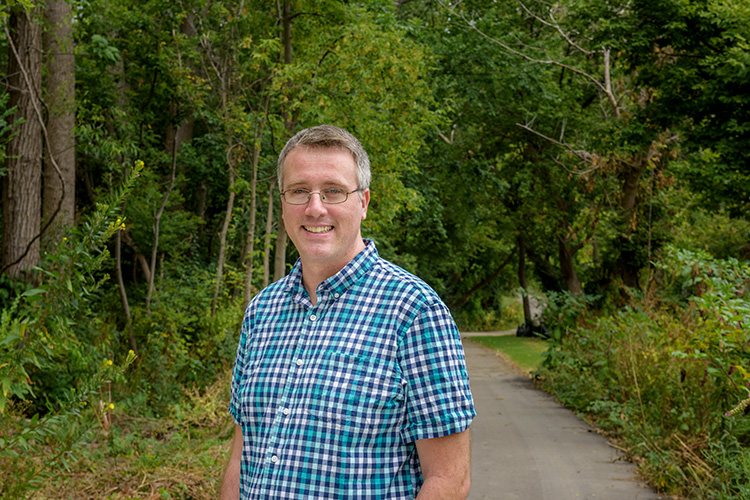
(526, 446)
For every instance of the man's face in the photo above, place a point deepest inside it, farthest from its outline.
(326, 236)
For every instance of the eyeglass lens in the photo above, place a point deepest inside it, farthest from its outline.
(302, 196)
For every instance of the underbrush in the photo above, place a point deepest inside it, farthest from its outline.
(94, 405)
(668, 380)
(178, 456)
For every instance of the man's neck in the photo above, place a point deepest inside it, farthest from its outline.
(311, 279)
(311, 290)
(315, 274)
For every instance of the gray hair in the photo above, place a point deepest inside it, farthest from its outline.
(329, 136)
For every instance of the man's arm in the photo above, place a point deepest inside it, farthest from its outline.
(230, 486)
(446, 467)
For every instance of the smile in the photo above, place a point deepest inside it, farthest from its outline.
(318, 229)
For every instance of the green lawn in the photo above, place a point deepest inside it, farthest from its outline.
(525, 352)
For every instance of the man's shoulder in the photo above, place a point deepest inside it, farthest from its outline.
(400, 282)
(271, 293)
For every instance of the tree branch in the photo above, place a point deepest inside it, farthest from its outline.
(601, 86)
(554, 24)
(583, 155)
(463, 300)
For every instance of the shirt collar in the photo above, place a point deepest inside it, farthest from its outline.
(342, 280)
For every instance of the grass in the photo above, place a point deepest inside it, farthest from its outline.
(180, 456)
(524, 352)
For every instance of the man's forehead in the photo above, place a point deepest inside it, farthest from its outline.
(308, 154)
(321, 148)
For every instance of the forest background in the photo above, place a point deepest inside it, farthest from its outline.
(590, 153)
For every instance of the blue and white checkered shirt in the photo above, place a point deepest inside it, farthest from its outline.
(331, 398)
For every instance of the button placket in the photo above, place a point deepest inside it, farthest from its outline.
(287, 401)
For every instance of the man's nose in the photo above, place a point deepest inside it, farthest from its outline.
(315, 205)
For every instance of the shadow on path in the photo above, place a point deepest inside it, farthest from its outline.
(527, 446)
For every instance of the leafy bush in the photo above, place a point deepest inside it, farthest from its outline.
(664, 379)
(54, 369)
(180, 343)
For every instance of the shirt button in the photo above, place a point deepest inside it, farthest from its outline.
(287, 411)
(313, 317)
(336, 295)
(299, 362)
(274, 459)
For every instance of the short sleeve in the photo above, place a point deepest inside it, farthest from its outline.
(240, 364)
(438, 397)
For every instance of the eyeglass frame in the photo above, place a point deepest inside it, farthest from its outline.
(320, 194)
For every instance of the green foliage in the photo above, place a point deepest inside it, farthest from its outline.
(718, 298)
(564, 310)
(662, 378)
(714, 231)
(46, 417)
(180, 343)
(19, 350)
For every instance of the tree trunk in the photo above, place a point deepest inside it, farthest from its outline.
(631, 185)
(250, 242)
(269, 230)
(628, 263)
(522, 281)
(123, 293)
(22, 184)
(58, 199)
(157, 224)
(250, 238)
(279, 262)
(567, 266)
(182, 132)
(279, 267)
(223, 235)
(202, 194)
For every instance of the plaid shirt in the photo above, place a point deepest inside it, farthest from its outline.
(331, 398)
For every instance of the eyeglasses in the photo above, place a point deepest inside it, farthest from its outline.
(330, 196)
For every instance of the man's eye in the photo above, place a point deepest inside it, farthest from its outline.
(300, 191)
(333, 191)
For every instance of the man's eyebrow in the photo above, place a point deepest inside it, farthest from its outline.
(325, 185)
(295, 185)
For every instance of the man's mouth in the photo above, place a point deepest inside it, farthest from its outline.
(318, 229)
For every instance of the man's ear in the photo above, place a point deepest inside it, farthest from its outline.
(365, 199)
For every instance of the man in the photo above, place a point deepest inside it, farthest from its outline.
(350, 379)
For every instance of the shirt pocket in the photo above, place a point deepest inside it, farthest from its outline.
(355, 391)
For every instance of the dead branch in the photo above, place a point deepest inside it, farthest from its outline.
(604, 87)
(554, 24)
(583, 155)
